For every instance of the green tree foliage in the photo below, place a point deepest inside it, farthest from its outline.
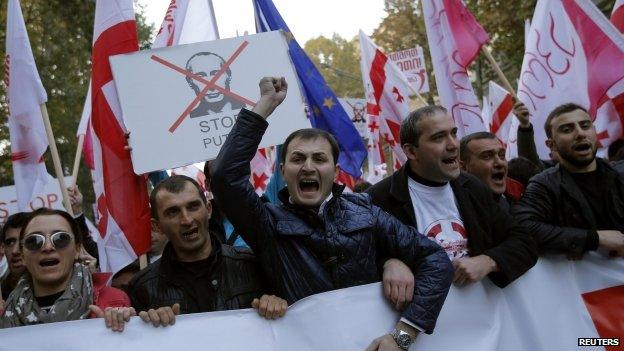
(61, 33)
(338, 60)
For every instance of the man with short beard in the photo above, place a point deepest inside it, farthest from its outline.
(578, 205)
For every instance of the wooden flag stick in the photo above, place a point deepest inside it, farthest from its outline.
(498, 71)
(56, 159)
(81, 138)
(142, 261)
(418, 95)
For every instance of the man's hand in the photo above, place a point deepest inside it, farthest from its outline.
(387, 343)
(611, 241)
(270, 306)
(114, 317)
(384, 343)
(473, 269)
(272, 93)
(85, 258)
(75, 198)
(163, 316)
(522, 113)
(398, 283)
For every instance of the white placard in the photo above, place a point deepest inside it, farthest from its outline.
(412, 63)
(356, 109)
(168, 130)
(51, 197)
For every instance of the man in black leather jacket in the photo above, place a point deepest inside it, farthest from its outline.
(196, 273)
(322, 239)
(578, 205)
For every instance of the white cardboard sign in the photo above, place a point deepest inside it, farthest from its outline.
(180, 103)
(50, 197)
(412, 63)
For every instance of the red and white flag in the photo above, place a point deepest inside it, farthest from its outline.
(121, 195)
(84, 128)
(500, 112)
(455, 39)
(187, 22)
(25, 95)
(388, 90)
(617, 15)
(573, 54)
(262, 168)
(193, 172)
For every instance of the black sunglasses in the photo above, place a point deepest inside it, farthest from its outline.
(60, 240)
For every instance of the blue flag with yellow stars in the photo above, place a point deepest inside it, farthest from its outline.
(325, 112)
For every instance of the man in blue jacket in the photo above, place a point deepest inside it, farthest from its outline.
(322, 239)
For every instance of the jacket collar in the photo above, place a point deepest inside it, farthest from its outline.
(170, 268)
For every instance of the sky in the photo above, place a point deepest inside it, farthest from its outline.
(306, 19)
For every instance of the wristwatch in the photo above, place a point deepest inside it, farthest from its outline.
(403, 339)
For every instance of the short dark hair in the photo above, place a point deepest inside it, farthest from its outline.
(522, 169)
(410, 133)
(311, 134)
(174, 184)
(44, 211)
(15, 221)
(464, 152)
(615, 152)
(558, 111)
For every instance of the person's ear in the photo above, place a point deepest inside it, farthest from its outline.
(155, 225)
(78, 249)
(551, 144)
(462, 165)
(410, 151)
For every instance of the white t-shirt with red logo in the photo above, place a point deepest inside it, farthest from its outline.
(438, 218)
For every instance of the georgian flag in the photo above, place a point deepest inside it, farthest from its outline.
(500, 112)
(617, 15)
(121, 195)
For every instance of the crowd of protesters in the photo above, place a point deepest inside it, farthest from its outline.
(457, 212)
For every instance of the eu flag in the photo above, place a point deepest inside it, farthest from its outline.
(324, 110)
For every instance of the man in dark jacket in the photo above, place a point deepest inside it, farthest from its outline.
(578, 205)
(455, 209)
(322, 239)
(195, 273)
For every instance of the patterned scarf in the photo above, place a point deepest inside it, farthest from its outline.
(22, 308)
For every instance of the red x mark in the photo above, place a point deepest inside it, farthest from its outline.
(210, 85)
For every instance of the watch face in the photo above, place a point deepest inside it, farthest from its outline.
(404, 341)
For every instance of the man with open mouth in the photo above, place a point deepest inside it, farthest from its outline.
(453, 208)
(320, 238)
(483, 155)
(578, 205)
(196, 273)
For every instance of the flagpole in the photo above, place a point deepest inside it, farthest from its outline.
(142, 261)
(81, 138)
(56, 159)
(499, 72)
(418, 95)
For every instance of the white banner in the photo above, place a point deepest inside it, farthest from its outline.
(50, 197)
(180, 103)
(543, 310)
(412, 63)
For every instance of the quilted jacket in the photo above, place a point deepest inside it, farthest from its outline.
(304, 252)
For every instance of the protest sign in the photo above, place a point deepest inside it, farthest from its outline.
(50, 197)
(356, 109)
(546, 309)
(180, 103)
(412, 63)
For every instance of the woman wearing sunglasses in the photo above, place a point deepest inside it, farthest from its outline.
(56, 287)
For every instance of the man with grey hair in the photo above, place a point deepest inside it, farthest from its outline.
(206, 65)
(450, 207)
